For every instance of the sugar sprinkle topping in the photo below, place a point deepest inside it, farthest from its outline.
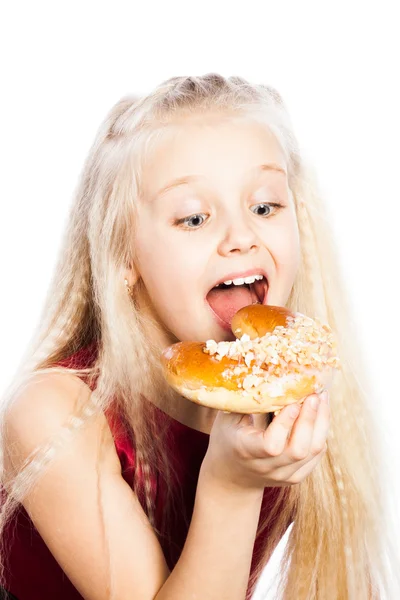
(302, 343)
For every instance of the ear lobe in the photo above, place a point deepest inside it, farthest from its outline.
(132, 275)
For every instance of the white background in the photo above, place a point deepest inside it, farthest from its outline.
(64, 66)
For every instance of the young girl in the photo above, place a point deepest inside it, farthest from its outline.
(114, 487)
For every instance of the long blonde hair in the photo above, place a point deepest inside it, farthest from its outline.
(338, 547)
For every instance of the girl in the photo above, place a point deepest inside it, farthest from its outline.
(113, 485)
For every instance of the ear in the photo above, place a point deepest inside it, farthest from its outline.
(131, 274)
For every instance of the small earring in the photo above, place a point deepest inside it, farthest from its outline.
(129, 289)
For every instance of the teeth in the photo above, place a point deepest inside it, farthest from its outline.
(242, 280)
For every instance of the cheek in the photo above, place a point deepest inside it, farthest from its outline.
(285, 247)
(165, 263)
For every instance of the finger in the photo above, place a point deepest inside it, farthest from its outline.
(293, 466)
(297, 472)
(301, 437)
(273, 441)
(306, 469)
(260, 420)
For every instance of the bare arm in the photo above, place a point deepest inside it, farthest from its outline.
(216, 559)
(64, 506)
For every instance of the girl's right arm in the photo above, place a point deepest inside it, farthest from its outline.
(64, 504)
(242, 459)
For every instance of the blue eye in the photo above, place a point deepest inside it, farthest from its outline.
(197, 220)
(192, 222)
(266, 205)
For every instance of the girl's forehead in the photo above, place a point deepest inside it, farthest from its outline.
(235, 151)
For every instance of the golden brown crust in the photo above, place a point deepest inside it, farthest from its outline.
(257, 319)
(288, 357)
(229, 400)
(188, 364)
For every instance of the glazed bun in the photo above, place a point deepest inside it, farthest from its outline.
(256, 320)
(278, 358)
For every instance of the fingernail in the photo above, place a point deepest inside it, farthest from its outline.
(315, 402)
(294, 410)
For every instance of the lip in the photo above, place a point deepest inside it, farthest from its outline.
(242, 275)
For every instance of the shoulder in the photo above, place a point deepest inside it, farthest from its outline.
(42, 407)
(81, 495)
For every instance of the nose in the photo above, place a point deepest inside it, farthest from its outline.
(238, 238)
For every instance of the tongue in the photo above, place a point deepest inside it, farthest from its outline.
(226, 302)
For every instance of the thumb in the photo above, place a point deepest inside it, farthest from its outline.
(233, 418)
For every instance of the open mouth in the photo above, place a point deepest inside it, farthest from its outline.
(227, 297)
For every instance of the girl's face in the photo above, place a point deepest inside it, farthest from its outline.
(207, 216)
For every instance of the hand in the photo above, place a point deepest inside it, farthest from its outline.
(241, 455)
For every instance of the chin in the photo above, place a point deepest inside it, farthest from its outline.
(202, 333)
(215, 332)
(224, 336)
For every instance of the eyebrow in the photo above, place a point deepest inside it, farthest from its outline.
(268, 167)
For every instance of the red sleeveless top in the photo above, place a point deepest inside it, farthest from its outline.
(32, 572)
